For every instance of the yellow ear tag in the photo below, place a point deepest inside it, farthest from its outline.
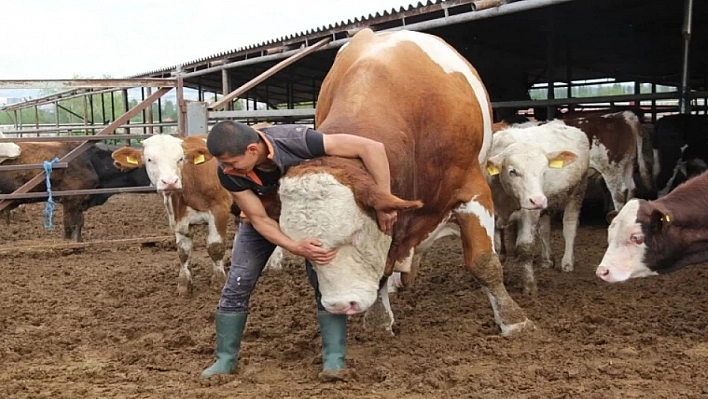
(556, 163)
(666, 219)
(131, 160)
(199, 159)
(492, 170)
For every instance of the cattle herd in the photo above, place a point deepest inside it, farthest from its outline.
(496, 186)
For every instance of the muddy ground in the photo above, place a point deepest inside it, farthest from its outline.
(105, 322)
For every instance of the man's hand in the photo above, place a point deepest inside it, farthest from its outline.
(312, 249)
(387, 220)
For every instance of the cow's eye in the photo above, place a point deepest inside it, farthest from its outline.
(513, 172)
(149, 160)
(637, 238)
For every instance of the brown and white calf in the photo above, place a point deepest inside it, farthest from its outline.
(615, 147)
(185, 176)
(435, 152)
(530, 170)
(656, 237)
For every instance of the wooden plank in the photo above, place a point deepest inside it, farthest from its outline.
(73, 154)
(116, 190)
(268, 73)
(84, 83)
(7, 168)
(22, 249)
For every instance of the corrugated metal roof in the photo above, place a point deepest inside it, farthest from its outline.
(301, 35)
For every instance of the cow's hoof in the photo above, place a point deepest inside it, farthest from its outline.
(567, 267)
(218, 280)
(517, 329)
(345, 374)
(184, 288)
(548, 264)
(530, 288)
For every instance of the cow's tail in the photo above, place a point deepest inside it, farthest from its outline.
(644, 172)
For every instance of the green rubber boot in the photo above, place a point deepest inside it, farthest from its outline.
(333, 330)
(229, 330)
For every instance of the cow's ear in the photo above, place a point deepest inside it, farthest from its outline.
(659, 220)
(561, 159)
(494, 165)
(611, 215)
(127, 158)
(198, 155)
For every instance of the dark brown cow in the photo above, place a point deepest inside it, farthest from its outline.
(658, 237)
(92, 169)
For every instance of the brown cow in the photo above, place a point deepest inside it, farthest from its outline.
(435, 148)
(648, 238)
(92, 169)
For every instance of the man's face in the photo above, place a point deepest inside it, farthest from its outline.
(240, 164)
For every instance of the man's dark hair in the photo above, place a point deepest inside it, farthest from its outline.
(230, 138)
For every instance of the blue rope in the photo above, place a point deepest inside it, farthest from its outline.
(49, 208)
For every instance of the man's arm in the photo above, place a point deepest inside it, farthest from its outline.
(252, 207)
(373, 155)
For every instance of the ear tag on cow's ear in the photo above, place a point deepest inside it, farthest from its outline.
(666, 219)
(556, 163)
(131, 160)
(199, 159)
(492, 170)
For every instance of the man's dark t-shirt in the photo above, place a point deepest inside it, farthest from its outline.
(289, 146)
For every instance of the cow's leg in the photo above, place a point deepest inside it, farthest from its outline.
(629, 182)
(218, 222)
(614, 183)
(476, 220)
(73, 221)
(526, 238)
(183, 235)
(275, 262)
(544, 230)
(380, 313)
(571, 216)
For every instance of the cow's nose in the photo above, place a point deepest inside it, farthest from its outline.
(169, 181)
(538, 202)
(348, 308)
(602, 272)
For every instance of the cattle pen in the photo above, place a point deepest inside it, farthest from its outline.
(102, 319)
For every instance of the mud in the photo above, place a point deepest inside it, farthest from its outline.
(106, 322)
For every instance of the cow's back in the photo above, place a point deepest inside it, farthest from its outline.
(418, 96)
(79, 174)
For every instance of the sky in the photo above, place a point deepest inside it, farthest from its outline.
(50, 39)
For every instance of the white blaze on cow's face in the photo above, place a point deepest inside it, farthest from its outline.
(318, 206)
(624, 257)
(163, 156)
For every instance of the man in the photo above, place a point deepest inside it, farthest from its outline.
(251, 163)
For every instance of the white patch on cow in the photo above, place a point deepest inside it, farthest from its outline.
(486, 218)
(275, 262)
(451, 62)
(164, 156)
(623, 258)
(318, 206)
(9, 150)
(618, 176)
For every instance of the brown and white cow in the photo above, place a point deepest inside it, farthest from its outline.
(415, 94)
(615, 147)
(533, 169)
(656, 237)
(184, 174)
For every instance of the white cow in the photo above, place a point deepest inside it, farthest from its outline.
(533, 169)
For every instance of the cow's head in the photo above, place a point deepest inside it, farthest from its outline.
(337, 206)
(163, 157)
(637, 225)
(521, 170)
